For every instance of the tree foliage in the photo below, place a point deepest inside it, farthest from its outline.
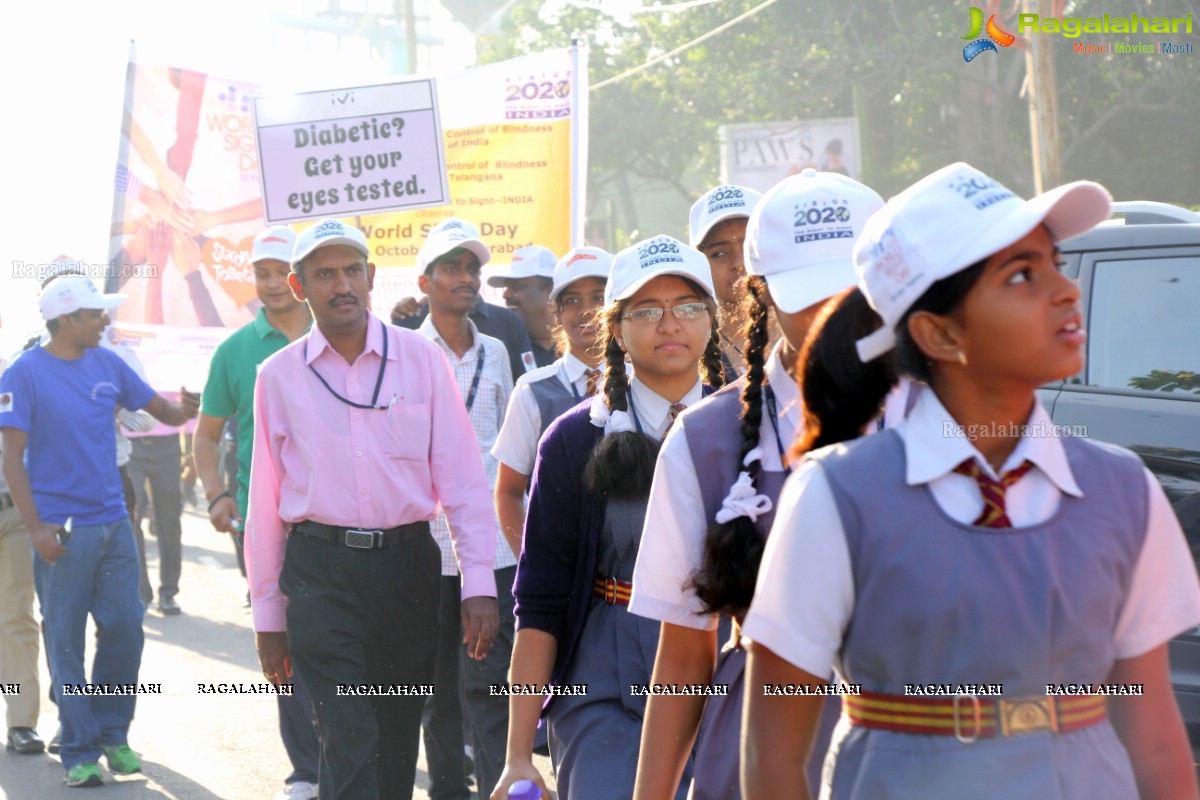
(1165, 380)
(896, 65)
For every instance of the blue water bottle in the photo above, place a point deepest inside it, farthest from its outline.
(524, 790)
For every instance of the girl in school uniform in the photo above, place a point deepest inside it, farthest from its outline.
(586, 507)
(720, 473)
(544, 394)
(963, 566)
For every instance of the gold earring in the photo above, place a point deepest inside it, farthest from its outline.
(962, 358)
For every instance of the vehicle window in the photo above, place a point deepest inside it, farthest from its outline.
(1144, 326)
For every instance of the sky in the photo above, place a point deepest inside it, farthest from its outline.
(64, 64)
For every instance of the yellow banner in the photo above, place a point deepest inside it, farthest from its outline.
(187, 196)
(516, 137)
(498, 174)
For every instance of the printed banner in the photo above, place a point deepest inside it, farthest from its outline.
(186, 205)
(516, 155)
(340, 152)
(760, 154)
(170, 356)
(188, 194)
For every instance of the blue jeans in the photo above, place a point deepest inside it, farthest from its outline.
(98, 574)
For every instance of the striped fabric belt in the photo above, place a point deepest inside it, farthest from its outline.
(612, 591)
(970, 717)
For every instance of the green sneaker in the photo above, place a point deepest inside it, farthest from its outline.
(86, 774)
(121, 760)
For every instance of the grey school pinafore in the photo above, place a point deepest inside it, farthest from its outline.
(938, 601)
(714, 442)
(594, 739)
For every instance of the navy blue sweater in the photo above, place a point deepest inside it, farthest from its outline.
(557, 567)
(562, 535)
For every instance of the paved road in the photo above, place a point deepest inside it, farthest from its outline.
(194, 746)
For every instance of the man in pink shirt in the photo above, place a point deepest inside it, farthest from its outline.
(359, 433)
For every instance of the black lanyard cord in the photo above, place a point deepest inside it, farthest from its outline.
(633, 411)
(774, 416)
(378, 379)
(475, 381)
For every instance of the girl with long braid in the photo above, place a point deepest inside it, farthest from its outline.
(587, 502)
(1000, 596)
(719, 474)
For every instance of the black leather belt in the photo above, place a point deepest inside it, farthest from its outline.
(6, 501)
(362, 538)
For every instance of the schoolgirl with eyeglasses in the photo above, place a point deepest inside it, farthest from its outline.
(587, 503)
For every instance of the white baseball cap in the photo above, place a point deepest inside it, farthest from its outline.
(948, 221)
(800, 237)
(725, 202)
(717, 205)
(580, 262)
(447, 235)
(63, 265)
(640, 263)
(533, 261)
(277, 242)
(70, 293)
(325, 233)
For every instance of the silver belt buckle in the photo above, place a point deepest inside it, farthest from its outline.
(958, 733)
(362, 539)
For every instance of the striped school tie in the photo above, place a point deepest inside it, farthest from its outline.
(675, 410)
(593, 380)
(994, 515)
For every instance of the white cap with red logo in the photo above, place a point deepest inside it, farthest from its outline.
(580, 262)
(276, 242)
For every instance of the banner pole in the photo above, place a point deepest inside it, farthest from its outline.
(579, 142)
(112, 283)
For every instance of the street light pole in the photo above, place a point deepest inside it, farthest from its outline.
(1043, 102)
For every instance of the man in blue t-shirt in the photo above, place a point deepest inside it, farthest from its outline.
(57, 405)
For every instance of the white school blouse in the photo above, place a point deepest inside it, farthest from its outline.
(804, 598)
(487, 414)
(672, 546)
(516, 444)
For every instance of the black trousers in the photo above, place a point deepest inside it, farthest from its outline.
(488, 714)
(442, 722)
(364, 617)
(298, 731)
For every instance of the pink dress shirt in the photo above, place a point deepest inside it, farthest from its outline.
(317, 458)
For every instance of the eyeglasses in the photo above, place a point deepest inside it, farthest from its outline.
(684, 311)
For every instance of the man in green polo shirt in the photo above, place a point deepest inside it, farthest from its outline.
(229, 392)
